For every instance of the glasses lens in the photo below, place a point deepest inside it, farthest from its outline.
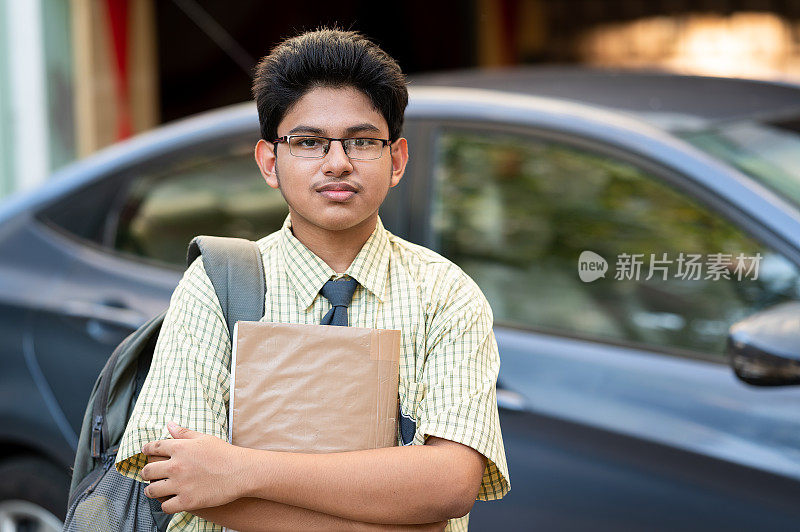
(363, 149)
(311, 147)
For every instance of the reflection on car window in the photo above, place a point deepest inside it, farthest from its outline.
(516, 213)
(220, 195)
(769, 153)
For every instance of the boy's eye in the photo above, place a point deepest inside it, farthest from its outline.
(308, 142)
(363, 143)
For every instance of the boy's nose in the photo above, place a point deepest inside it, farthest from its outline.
(336, 160)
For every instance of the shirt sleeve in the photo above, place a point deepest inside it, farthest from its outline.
(188, 381)
(460, 378)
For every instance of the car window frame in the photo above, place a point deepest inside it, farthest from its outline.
(125, 175)
(111, 223)
(423, 197)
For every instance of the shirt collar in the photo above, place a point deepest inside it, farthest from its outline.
(308, 273)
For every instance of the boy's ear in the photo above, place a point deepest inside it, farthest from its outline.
(399, 153)
(265, 159)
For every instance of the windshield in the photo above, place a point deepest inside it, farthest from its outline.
(767, 151)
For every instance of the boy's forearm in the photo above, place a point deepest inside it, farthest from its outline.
(409, 485)
(392, 485)
(259, 515)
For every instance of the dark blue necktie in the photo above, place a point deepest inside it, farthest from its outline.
(339, 293)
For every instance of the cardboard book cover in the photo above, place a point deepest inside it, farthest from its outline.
(313, 388)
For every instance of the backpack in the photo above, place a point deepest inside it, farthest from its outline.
(100, 498)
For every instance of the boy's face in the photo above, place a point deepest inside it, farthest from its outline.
(338, 113)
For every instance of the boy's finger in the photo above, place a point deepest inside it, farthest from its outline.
(155, 471)
(159, 447)
(160, 488)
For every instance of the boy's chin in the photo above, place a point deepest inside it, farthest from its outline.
(335, 221)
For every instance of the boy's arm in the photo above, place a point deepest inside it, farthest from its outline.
(393, 485)
(259, 515)
(250, 514)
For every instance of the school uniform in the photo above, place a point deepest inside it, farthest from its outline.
(448, 362)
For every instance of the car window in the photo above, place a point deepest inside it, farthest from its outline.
(220, 194)
(83, 212)
(767, 152)
(517, 213)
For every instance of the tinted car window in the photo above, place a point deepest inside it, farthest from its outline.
(516, 213)
(83, 213)
(221, 194)
(767, 152)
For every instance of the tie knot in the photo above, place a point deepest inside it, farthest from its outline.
(340, 292)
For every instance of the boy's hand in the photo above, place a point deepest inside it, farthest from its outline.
(197, 471)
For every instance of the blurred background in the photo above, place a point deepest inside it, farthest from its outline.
(78, 75)
(657, 127)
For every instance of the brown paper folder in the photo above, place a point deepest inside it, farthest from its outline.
(313, 388)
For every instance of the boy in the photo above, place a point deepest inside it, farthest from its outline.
(331, 106)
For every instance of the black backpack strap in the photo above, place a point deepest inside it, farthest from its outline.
(236, 270)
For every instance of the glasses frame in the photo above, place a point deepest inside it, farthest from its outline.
(287, 138)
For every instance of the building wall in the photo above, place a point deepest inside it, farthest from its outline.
(6, 118)
(25, 137)
(74, 77)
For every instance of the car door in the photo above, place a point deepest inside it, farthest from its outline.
(124, 267)
(618, 410)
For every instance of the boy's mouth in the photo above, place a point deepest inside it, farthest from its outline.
(338, 195)
(338, 191)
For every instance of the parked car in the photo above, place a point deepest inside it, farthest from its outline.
(626, 402)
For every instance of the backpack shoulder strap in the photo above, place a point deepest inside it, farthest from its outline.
(236, 270)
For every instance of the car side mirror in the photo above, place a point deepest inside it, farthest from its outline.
(764, 349)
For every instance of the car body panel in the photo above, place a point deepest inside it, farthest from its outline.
(694, 405)
(571, 477)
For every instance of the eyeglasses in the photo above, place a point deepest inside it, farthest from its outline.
(312, 147)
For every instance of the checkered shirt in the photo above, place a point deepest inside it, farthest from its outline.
(448, 362)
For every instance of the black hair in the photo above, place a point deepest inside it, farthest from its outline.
(328, 58)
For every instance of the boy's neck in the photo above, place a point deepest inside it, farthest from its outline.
(337, 249)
